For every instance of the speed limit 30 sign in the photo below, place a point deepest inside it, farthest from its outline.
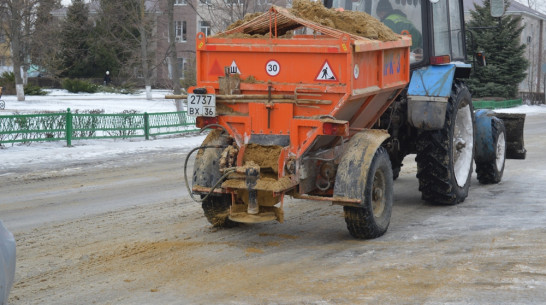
(272, 68)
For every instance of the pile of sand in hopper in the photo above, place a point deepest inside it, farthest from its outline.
(356, 23)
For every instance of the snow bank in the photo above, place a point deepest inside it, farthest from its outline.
(527, 109)
(60, 100)
(39, 153)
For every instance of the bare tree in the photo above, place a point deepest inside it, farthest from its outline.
(44, 45)
(132, 24)
(222, 13)
(19, 28)
(144, 30)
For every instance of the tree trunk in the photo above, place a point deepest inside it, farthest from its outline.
(173, 62)
(540, 48)
(144, 52)
(16, 47)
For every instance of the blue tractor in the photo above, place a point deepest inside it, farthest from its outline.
(434, 116)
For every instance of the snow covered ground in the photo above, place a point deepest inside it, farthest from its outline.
(42, 153)
(13, 156)
(60, 100)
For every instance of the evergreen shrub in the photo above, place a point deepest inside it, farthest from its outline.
(7, 82)
(78, 85)
(31, 89)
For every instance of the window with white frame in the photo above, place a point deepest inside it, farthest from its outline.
(204, 26)
(234, 2)
(180, 2)
(182, 67)
(180, 30)
(205, 2)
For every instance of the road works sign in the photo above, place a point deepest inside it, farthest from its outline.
(326, 73)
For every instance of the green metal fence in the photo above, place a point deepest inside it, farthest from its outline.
(496, 104)
(68, 126)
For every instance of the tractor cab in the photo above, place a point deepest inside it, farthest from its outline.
(436, 26)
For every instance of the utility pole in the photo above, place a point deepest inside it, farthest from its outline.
(540, 50)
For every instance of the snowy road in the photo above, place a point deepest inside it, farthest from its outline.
(120, 229)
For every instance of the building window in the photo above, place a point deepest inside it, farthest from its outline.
(2, 38)
(182, 67)
(204, 26)
(180, 2)
(205, 2)
(180, 31)
(264, 2)
(234, 2)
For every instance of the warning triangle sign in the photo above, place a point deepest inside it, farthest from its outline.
(326, 73)
(215, 69)
(233, 69)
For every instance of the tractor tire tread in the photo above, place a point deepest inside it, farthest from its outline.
(436, 179)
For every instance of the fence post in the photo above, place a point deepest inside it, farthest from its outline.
(146, 126)
(68, 128)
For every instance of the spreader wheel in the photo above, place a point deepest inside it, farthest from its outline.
(216, 209)
(207, 172)
(373, 218)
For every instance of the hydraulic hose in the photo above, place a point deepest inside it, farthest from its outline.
(224, 176)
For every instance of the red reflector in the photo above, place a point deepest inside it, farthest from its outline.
(202, 121)
(333, 129)
(438, 60)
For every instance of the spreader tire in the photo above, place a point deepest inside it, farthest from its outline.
(216, 209)
(445, 156)
(490, 172)
(373, 218)
(206, 169)
(206, 173)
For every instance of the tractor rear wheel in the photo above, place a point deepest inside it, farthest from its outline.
(373, 218)
(490, 172)
(445, 156)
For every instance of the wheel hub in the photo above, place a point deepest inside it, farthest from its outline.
(501, 150)
(463, 139)
(460, 144)
(378, 190)
(377, 194)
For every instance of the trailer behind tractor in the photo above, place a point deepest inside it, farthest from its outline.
(330, 115)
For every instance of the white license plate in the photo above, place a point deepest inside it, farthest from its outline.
(201, 104)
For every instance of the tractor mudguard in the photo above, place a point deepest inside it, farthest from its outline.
(514, 124)
(353, 168)
(485, 148)
(428, 94)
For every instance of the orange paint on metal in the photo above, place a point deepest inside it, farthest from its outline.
(363, 78)
(216, 70)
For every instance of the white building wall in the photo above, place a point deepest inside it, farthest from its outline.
(530, 37)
